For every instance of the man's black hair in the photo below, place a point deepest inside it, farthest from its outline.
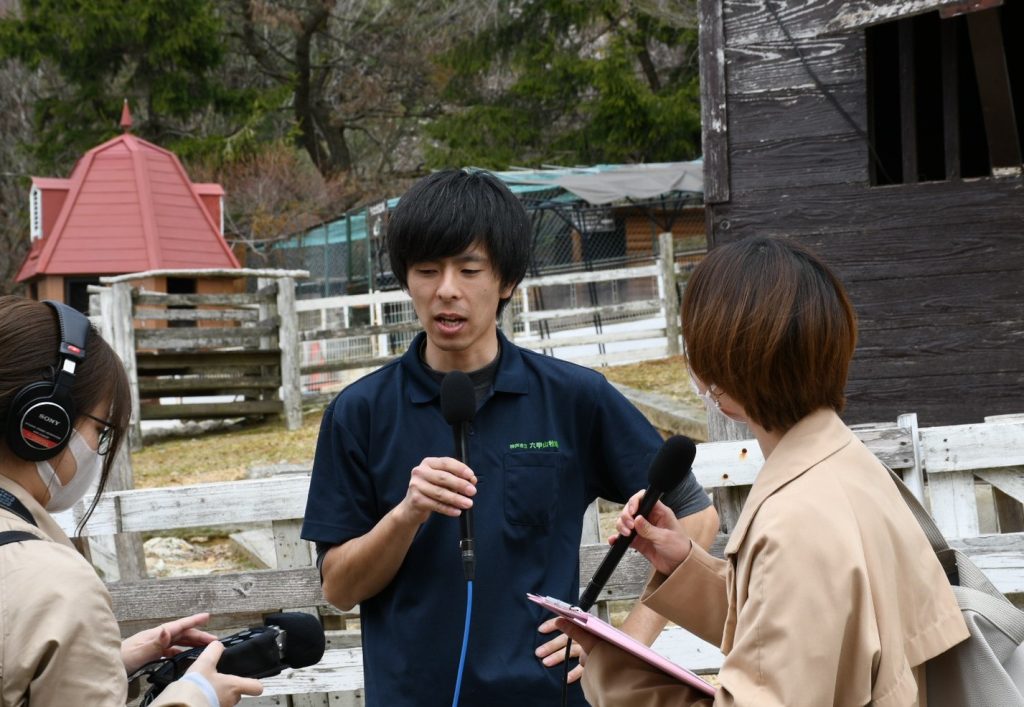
(445, 213)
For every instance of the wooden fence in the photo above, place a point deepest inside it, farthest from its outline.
(942, 464)
(332, 342)
(188, 346)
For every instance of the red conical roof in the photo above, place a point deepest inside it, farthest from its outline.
(130, 207)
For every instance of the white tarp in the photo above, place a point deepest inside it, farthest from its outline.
(604, 186)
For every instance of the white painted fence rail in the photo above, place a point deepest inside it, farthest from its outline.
(332, 343)
(948, 459)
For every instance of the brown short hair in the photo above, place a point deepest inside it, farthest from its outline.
(766, 321)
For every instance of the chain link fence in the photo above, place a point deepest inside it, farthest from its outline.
(347, 257)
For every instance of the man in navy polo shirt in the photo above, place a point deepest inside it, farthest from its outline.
(548, 437)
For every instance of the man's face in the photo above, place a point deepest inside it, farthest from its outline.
(456, 299)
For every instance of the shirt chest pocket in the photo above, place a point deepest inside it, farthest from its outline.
(532, 484)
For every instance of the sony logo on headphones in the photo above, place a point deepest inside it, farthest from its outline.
(46, 418)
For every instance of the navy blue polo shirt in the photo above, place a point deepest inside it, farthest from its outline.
(550, 438)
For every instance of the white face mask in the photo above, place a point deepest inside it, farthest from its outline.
(88, 464)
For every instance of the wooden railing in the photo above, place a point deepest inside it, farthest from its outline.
(329, 321)
(190, 346)
(942, 464)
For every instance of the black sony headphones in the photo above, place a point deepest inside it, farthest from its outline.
(42, 414)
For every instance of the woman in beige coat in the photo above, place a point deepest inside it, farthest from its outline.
(64, 407)
(829, 593)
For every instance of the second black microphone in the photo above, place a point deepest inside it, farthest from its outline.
(669, 468)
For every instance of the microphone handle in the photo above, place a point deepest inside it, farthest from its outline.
(466, 517)
(618, 549)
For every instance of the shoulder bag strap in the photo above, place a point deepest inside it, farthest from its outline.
(16, 536)
(973, 590)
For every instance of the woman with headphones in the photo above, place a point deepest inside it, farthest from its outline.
(64, 408)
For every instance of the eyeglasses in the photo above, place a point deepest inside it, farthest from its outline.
(708, 394)
(106, 434)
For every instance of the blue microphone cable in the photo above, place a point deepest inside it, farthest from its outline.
(465, 641)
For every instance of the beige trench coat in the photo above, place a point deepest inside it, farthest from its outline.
(829, 594)
(59, 641)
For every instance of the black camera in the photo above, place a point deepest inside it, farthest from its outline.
(286, 640)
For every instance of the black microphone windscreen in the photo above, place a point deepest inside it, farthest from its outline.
(304, 640)
(458, 399)
(672, 463)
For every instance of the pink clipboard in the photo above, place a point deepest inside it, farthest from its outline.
(609, 633)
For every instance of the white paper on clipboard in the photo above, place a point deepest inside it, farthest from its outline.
(609, 633)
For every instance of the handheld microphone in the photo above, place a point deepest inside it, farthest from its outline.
(286, 640)
(458, 405)
(669, 468)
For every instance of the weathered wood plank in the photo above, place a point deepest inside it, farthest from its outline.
(812, 210)
(288, 344)
(922, 250)
(670, 292)
(340, 670)
(579, 278)
(714, 110)
(605, 311)
(206, 385)
(353, 332)
(206, 360)
(608, 338)
(953, 504)
(196, 505)
(347, 365)
(261, 591)
(196, 315)
(1000, 557)
(158, 299)
(788, 114)
(1009, 480)
(341, 302)
(887, 345)
(124, 344)
(958, 448)
(873, 399)
(717, 464)
(202, 336)
(294, 552)
(864, 13)
(913, 474)
(230, 273)
(799, 162)
(749, 21)
(774, 65)
(241, 408)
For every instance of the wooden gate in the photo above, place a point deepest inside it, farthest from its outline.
(181, 350)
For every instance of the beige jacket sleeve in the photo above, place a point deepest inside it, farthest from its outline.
(774, 660)
(61, 643)
(614, 678)
(698, 599)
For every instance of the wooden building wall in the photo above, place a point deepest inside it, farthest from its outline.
(641, 230)
(935, 270)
